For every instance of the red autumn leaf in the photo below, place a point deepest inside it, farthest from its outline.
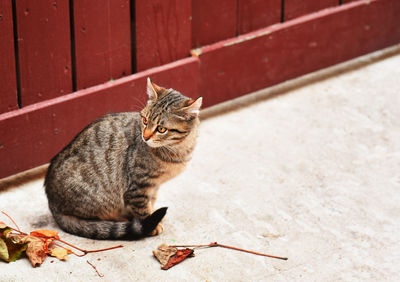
(178, 257)
(170, 256)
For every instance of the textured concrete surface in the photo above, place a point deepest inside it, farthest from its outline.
(313, 175)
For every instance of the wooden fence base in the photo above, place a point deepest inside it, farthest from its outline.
(280, 52)
(32, 135)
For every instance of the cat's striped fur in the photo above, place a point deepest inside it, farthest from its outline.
(103, 184)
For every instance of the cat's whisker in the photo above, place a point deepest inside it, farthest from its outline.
(139, 105)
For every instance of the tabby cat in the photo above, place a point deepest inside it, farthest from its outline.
(103, 184)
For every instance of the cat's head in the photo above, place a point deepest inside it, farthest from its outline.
(169, 117)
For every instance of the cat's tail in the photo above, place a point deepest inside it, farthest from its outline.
(111, 230)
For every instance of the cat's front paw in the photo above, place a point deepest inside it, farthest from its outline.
(158, 230)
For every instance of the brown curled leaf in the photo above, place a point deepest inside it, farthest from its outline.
(163, 253)
(178, 257)
(36, 247)
(170, 256)
(9, 250)
(36, 251)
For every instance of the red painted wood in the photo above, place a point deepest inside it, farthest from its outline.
(163, 32)
(255, 14)
(272, 55)
(44, 49)
(213, 21)
(348, 1)
(102, 41)
(48, 126)
(8, 80)
(296, 8)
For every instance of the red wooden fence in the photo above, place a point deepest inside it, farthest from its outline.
(44, 50)
(57, 57)
(255, 14)
(102, 41)
(296, 8)
(8, 77)
(213, 21)
(162, 32)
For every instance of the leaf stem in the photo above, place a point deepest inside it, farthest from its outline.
(16, 225)
(85, 252)
(215, 244)
(94, 267)
(16, 230)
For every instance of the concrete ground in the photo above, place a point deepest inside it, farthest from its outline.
(313, 175)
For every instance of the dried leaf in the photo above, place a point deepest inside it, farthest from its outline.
(163, 253)
(46, 233)
(47, 237)
(15, 251)
(178, 257)
(170, 256)
(36, 247)
(4, 229)
(36, 251)
(3, 250)
(61, 254)
(9, 250)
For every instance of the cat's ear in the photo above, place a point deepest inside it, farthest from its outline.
(192, 109)
(152, 89)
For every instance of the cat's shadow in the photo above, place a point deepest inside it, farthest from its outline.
(45, 220)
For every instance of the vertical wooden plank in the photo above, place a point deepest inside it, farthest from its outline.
(8, 80)
(213, 21)
(44, 49)
(296, 8)
(255, 14)
(102, 41)
(163, 32)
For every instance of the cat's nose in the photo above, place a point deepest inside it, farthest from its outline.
(147, 135)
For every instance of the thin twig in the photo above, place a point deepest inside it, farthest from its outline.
(251, 252)
(215, 244)
(16, 230)
(12, 220)
(94, 267)
(193, 246)
(85, 252)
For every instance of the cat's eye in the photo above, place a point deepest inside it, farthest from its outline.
(161, 129)
(144, 120)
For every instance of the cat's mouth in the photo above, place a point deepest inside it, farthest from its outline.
(151, 143)
(157, 144)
